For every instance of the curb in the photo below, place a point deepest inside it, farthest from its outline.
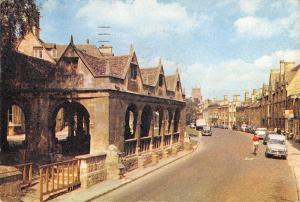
(145, 174)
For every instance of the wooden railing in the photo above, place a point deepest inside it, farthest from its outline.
(58, 176)
(26, 169)
(176, 137)
(167, 139)
(145, 143)
(130, 146)
(156, 142)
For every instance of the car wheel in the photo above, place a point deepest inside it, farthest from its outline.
(267, 155)
(284, 157)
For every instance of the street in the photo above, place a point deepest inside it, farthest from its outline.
(222, 169)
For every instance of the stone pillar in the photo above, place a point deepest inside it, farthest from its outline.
(71, 123)
(79, 128)
(138, 132)
(172, 130)
(152, 131)
(3, 127)
(163, 128)
(98, 109)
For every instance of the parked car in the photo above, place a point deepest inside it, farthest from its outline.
(206, 131)
(261, 133)
(276, 147)
(243, 127)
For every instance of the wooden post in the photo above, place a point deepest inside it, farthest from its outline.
(41, 184)
(47, 180)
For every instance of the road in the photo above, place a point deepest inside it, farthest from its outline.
(223, 169)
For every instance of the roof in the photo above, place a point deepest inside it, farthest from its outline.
(293, 87)
(114, 66)
(274, 76)
(171, 81)
(86, 48)
(150, 75)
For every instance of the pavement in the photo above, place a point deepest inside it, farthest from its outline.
(100, 189)
(294, 162)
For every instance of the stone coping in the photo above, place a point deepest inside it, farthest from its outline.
(9, 173)
(87, 156)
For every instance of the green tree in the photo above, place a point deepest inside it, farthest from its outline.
(191, 111)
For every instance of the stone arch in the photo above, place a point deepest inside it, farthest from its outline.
(131, 116)
(146, 119)
(158, 119)
(77, 118)
(176, 119)
(168, 120)
(22, 105)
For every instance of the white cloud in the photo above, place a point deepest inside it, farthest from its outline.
(249, 6)
(262, 27)
(143, 17)
(228, 77)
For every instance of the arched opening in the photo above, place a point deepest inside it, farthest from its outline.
(158, 117)
(70, 129)
(16, 134)
(168, 121)
(176, 120)
(130, 122)
(146, 121)
(14, 123)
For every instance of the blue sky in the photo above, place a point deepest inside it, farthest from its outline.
(222, 46)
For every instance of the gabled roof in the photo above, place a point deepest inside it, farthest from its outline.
(274, 76)
(114, 66)
(150, 75)
(171, 81)
(294, 86)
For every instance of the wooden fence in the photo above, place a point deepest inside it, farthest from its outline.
(57, 177)
(26, 169)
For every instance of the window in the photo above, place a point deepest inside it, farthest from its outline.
(38, 52)
(161, 79)
(133, 71)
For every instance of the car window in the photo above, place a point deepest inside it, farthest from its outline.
(275, 141)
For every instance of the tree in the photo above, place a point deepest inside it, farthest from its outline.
(16, 18)
(191, 111)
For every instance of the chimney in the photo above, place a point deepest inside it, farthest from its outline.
(87, 41)
(225, 97)
(106, 50)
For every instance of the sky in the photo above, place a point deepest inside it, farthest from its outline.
(223, 46)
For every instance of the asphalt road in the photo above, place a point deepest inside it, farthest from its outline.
(224, 169)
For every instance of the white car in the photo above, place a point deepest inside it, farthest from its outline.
(276, 146)
(261, 132)
(243, 127)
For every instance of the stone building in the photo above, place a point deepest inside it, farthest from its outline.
(103, 100)
(216, 112)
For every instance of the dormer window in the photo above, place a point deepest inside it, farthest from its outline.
(133, 74)
(37, 52)
(161, 80)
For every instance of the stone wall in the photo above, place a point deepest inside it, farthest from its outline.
(10, 183)
(92, 169)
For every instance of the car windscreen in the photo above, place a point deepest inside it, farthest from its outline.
(261, 129)
(276, 141)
